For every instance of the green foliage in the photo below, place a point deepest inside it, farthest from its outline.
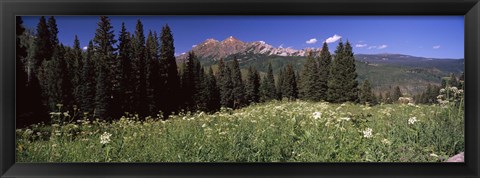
(366, 94)
(290, 89)
(88, 81)
(342, 85)
(169, 74)
(267, 87)
(271, 132)
(238, 90)
(324, 72)
(252, 86)
(310, 87)
(225, 84)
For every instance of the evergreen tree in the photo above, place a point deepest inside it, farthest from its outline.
(190, 81)
(152, 69)
(342, 85)
(290, 90)
(139, 67)
(225, 84)
(268, 90)
(104, 57)
(30, 109)
(53, 29)
(238, 87)
(125, 76)
(453, 82)
(213, 99)
(169, 74)
(324, 71)
(43, 48)
(88, 81)
(280, 84)
(310, 79)
(252, 86)
(366, 94)
(396, 94)
(77, 60)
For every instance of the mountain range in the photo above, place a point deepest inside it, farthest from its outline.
(384, 71)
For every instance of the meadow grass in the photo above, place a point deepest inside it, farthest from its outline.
(277, 131)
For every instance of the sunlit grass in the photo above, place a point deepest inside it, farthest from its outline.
(278, 131)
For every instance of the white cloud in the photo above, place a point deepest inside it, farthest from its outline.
(436, 46)
(361, 45)
(332, 39)
(311, 41)
(281, 46)
(372, 47)
(382, 47)
(193, 46)
(85, 48)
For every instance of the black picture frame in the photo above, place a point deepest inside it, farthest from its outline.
(10, 8)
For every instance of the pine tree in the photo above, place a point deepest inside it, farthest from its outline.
(190, 81)
(396, 94)
(324, 71)
(280, 84)
(252, 86)
(30, 109)
(152, 72)
(225, 85)
(43, 48)
(104, 57)
(212, 98)
(310, 79)
(238, 87)
(88, 82)
(268, 90)
(53, 29)
(123, 93)
(342, 85)
(169, 73)
(139, 68)
(77, 60)
(290, 90)
(366, 94)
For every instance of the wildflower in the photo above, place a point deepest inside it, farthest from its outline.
(460, 91)
(434, 155)
(345, 118)
(412, 120)
(411, 104)
(105, 138)
(204, 125)
(367, 133)
(54, 145)
(454, 89)
(439, 96)
(317, 115)
(386, 141)
(442, 90)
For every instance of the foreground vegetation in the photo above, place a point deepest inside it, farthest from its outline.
(277, 131)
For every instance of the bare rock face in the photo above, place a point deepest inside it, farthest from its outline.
(457, 158)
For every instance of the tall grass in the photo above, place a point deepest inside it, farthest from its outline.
(270, 132)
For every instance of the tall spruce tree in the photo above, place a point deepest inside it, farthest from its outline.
(30, 109)
(290, 89)
(342, 85)
(169, 73)
(126, 74)
(77, 65)
(268, 90)
(139, 67)
(152, 72)
(104, 57)
(324, 71)
(88, 82)
(225, 84)
(280, 84)
(53, 29)
(252, 86)
(310, 79)
(43, 47)
(213, 93)
(238, 87)
(366, 94)
(396, 94)
(190, 82)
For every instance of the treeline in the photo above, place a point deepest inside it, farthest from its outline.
(429, 96)
(138, 74)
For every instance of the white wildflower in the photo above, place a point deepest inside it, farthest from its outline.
(367, 133)
(386, 141)
(442, 90)
(412, 120)
(434, 155)
(345, 118)
(439, 96)
(317, 115)
(204, 125)
(105, 138)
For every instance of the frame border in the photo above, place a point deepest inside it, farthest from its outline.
(10, 8)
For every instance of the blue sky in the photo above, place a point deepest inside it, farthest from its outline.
(425, 36)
